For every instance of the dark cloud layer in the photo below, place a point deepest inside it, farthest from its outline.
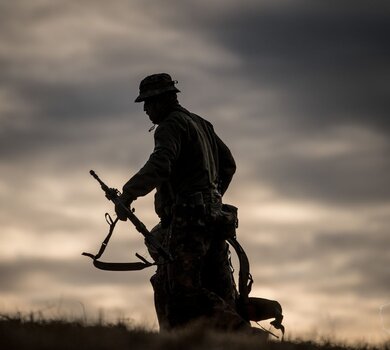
(328, 61)
(353, 178)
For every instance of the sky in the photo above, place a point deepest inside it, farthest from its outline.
(299, 91)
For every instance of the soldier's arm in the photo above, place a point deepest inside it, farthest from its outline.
(227, 165)
(157, 169)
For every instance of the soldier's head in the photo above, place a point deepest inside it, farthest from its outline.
(159, 94)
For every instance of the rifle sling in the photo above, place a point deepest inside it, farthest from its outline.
(111, 266)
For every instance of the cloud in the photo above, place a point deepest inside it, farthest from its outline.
(327, 65)
(26, 274)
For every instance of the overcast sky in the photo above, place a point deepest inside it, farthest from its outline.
(299, 90)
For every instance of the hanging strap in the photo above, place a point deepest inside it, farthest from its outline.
(245, 279)
(111, 266)
(267, 308)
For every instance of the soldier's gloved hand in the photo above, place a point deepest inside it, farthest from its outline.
(119, 210)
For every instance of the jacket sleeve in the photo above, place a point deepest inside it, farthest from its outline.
(227, 165)
(167, 142)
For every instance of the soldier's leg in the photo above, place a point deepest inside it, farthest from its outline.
(159, 283)
(217, 275)
(159, 279)
(188, 299)
(185, 296)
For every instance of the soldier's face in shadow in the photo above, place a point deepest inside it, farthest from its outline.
(155, 109)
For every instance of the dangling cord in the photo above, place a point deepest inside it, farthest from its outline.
(266, 330)
(250, 282)
(230, 262)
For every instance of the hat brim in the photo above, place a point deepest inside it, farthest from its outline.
(151, 93)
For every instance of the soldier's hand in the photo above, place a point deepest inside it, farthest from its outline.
(120, 211)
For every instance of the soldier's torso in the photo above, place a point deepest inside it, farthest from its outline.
(196, 167)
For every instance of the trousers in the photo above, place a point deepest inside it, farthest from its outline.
(198, 284)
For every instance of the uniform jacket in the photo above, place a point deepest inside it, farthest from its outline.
(188, 157)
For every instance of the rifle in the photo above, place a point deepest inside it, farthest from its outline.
(112, 194)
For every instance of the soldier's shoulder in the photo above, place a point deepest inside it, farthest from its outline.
(187, 115)
(176, 119)
(176, 115)
(201, 121)
(174, 123)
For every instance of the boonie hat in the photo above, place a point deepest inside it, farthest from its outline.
(154, 85)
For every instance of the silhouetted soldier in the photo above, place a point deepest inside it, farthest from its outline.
(191, 168)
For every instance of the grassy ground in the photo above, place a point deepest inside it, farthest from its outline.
(28, 333)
